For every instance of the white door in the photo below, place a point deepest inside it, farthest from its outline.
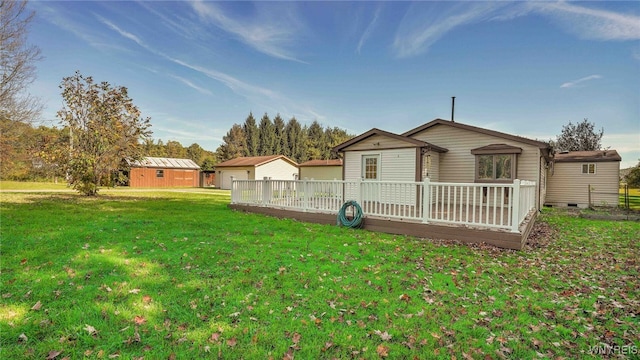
(370, 189)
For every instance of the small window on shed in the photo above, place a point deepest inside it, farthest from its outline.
(589, 168)
(160, 173)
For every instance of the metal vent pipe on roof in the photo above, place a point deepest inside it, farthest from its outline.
(453, 106)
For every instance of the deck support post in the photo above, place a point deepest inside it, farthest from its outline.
(515, 207)
(426, 200)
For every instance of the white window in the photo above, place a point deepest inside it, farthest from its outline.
(370, 167)
(589, 168)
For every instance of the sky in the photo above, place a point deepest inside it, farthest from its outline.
(198, 67)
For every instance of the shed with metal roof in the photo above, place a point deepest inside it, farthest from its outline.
(164, 172)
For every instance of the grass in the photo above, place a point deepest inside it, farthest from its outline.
(634, 199)
(160, 274)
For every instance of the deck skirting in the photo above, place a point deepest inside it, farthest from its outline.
(500, 238)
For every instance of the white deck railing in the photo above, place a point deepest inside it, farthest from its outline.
(490, 205)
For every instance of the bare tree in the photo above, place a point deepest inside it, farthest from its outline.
(17, 62)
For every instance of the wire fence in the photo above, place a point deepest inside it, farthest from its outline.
(629, 198)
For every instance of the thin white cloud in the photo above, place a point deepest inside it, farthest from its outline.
(192, 85)
(272, 30)
(367, 32)
(123, 33)
(425, 23)
(591, 23)
(573, 83)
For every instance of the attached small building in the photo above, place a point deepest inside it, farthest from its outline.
(164, 172)
(276, 167)
(321, 170)
(578, 178)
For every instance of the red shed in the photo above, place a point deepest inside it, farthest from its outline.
(164, 172)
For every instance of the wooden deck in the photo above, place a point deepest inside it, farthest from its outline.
(467, 234)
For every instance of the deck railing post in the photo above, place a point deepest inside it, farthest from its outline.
(305, 198)
(234, 191)
(426, 200)
(515, 209)
(266, 194)
(358, 194)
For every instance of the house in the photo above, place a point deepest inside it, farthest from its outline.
(584, 178)
(321, 170)
(447, 152)
(164, 172)
(276, 167)
(443, 180)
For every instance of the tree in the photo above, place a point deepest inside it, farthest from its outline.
(315, 140)
(106, 129)
(281, 145)
(296, 139)
(252, 136)
(235, 144)
(578, 137)
(266, 136)
(175, 150)
(196, 153)
(633, 177)
(17, 59)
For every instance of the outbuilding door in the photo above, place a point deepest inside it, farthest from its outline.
(225, 181)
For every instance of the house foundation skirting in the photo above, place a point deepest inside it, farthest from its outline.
(499, 238)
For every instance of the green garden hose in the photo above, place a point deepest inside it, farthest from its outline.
(356, 222)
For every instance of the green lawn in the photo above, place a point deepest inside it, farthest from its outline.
(162, 274)
(634, 199)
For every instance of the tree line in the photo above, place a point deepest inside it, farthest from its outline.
(291, 139)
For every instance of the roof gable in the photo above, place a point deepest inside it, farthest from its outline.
(587, 156)
(411, 142)
(254, 161)
(436, 122)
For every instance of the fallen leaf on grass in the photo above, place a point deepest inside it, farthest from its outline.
(385, 336)
(22, 338)
(90, 329)
(134, 291)
(215, 337)
(139, 320)
(53, 354)
(146, 299)
(232, 342)
(37, 306)
(383, 351)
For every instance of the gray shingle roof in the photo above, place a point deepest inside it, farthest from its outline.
(166, 163)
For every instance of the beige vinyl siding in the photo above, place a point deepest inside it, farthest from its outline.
(321, 172)
(377, 142)
(458, 164)
(277, 170)
(567, 184)
(224, 174)
(394, 165)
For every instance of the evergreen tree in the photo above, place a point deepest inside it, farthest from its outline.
(316, 141)
(295, 139)
(251, 133)
(235, 144)
(266, 143)
(334, 136)
(281, 145)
